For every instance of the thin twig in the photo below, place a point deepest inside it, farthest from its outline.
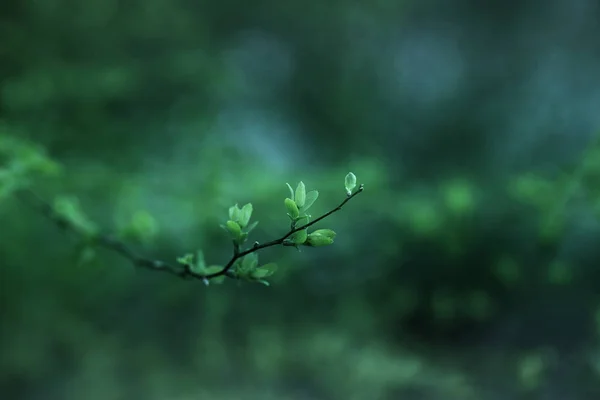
(110, 242)
(280, 241)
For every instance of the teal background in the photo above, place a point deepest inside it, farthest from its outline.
(468, 268)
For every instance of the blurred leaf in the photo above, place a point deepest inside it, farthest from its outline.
(251, 227)
(459, 197)
(68, 208)
(187, 259)
(249, 262)
(264, 271)
(200, 261)
(142, 227)
(532, 189)
(311, 197)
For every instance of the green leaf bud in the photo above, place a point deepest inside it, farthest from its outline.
(320, 237)
(292, 208)
(300, 197)
(350, 183)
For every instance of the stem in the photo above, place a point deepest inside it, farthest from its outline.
(279, 241)
(183, 271)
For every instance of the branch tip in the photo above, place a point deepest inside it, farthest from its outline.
(182, 270)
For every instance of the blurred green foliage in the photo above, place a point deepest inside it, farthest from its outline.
(455, 278)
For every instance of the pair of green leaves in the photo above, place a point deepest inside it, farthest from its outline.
(248, 269)
(238, 225)
(299, 201)
(297, 204)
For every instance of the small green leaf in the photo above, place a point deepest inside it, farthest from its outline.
(300, 197)
(213, 269)
(311, 197)
(200, 262)
(143, 226)
(234, 213)
(196, 269)
(251, 227)
(320, 237)
(244, 215)
(234, 228)
(292, 208)
(291, 190)
(197, 266)
(299, 237)
(350, 183)
(264, 271)
(244, 267)
(68, 208)
(250, 262)
(187, 259)
(263, 282)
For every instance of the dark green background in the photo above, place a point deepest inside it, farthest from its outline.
(468, 269)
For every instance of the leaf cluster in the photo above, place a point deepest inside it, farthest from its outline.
(244, 263)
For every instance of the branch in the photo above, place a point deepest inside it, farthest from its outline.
(103, 240)
(281, 240)
(110, 242)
